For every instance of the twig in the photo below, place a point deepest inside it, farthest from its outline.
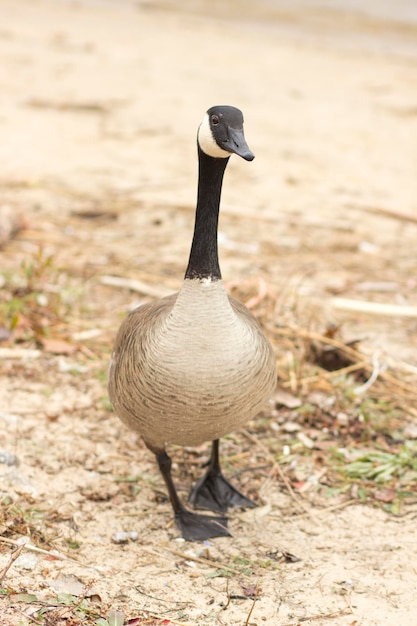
(276, 468)
(402, 366)
(296, 499)
(265, 216)
(346, 370)
(29, 617)
(329, 375)
(398, 215)
(312, 335)
(136, 285)
(227, 594)
(15, 555)
(327, 509)
(373, 377)
(19, 353)
(171, 620)
(311, 618)
(255, 597)
(351, 352)
(398, 383)
(201, 560)
(76, 107)
(159, 599)
(262, 293)
(32, 548)
(374, 308)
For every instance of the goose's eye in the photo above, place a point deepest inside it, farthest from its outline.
(214, 120)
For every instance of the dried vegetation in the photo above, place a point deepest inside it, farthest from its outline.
(85, 530)
(340, 430)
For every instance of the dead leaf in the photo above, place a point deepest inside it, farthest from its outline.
(4, 333)
(27, 598)
(284, 398)
(384, 495)
(67, 584)
(249, 590)
(58, 346)
(282, 555)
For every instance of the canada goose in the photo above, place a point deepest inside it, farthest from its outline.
(194, 366)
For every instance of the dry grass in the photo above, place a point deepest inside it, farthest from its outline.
(337, 408)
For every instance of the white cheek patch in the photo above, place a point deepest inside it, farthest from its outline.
(207, 142)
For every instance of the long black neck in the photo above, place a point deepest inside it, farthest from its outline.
(204, 258)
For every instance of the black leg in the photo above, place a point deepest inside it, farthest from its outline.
(214, 492)
(192, 526)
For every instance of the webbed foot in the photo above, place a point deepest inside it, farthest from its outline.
(194, 527)
(216, 493)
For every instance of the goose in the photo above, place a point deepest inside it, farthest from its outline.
(196, 365)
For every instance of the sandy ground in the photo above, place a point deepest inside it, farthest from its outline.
(99, 108)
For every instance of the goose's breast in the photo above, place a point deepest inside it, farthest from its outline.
(200, 374)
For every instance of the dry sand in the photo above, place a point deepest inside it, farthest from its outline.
(99, 105)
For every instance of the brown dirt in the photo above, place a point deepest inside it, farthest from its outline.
(98, 114)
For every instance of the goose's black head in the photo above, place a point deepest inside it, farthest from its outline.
(221, 133)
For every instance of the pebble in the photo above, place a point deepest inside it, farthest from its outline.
(8, 458)
(22, 482)
(291, 427)
(11, 419)
(306, 441)
(27, 560)
(124, 537)
(410, 431)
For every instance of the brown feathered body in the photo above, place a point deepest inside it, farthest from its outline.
(191, 367)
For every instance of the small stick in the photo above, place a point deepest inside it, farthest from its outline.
(398, 215)
(334, 374)
(253, 604)
(201, 560)
(33, 620)
(354, 354)
(264, 216)
(373, 377)
(19, 353)
(374, 308)
(326, 615)
(136, 285)
(327, 509)
(15, 555)
(310, 334)
(277, 468)
(262, 293)
(171, 621)
(227, 594)
(31, 548)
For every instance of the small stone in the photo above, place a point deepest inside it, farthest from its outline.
(284, 398)
(21, 483)
(67, 584)
(123, 537)
(11, 419)
(410, 431)
(306, 441)
(42, 299)
(120, 537)
(342, 418)
(291, 427)
(27, 560)
(8, 458)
